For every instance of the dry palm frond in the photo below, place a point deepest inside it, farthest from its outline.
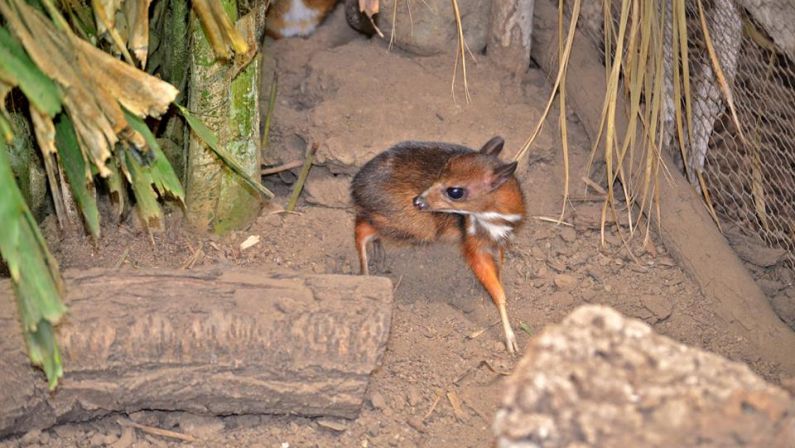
(221, 33)
(559, 80)
(460, 53)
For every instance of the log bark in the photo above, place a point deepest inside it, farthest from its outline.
(687, 230)
(222, 341)
(510, 34)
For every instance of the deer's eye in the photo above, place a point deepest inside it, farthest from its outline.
(455, 193)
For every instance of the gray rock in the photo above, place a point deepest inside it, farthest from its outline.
(784, 306)
(601, 379)
(200, 426)
(429, 28)
(659, 306)
(324, 188)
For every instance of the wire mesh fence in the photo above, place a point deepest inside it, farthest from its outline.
(751, 181)
(748, 173)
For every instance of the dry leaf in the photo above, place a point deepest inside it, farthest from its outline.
(369, 7)
(455, 402)
(251, 241)
(137, 12)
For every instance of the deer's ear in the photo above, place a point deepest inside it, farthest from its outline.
(493, 147)
(502, 174)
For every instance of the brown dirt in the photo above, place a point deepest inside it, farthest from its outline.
(430, 358)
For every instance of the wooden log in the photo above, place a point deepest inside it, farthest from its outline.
(687, 230)
(510, 34)
(220, 341)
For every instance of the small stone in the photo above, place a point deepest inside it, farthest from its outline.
(30, 438)
(377, 400)
(770, 287)
(333, 424)
(127, 438)
(200, 426)
(68, 431)
(156, 442)
(562, 298)
(110, 439)
(666, 261)
(416, 423)
(557, 265)
(413, 396)
(565, 281)
(612, 240)
(538, 253)
(542, 272)
(659, 306)
(608, 288)
(97, 440)
(568, 234)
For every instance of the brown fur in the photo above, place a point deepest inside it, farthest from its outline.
(275, 25)
(403, 193)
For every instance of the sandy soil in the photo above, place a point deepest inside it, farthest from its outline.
(445, 343)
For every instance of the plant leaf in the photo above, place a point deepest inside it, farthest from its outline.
(34, 274)
(73, 163)
(212, 141)
(15, 64)
(160, 170)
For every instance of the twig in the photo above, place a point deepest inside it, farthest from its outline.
(477, 333)
(158, 431)
(439, 394)
(122, 258)
(588, 181)
(461, 44)
(283, 167)
(553, 220)
(299, 185)
(266, 132)
(397, 284)
(455, 402)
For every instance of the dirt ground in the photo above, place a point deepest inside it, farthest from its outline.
(445, 341)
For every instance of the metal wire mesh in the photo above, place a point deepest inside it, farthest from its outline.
(750, 182)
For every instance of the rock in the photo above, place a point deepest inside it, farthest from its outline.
(200, 426)
(568, 234)
(659, 306)
(770, 287)
(324, 188)
(565, 282)
(753, 249)
(416, 423)
(334, 424)
(98, 439)
(429, 28)
(127, 438)
(784, 306)
(357, 19)
(377, 400)
(413, 396)
(562, 299)
(30, 438)
(601, 379)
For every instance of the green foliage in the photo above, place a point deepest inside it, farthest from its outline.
(16, 68)
(212, 141)
(34, 274)
(149, 179)
(79, 176)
